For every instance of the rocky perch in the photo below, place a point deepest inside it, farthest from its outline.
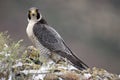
(20, 63)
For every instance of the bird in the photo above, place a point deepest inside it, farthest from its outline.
(48, 40)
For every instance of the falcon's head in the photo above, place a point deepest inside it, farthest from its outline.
(34, 14)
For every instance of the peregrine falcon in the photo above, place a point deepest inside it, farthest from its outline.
(48, 40)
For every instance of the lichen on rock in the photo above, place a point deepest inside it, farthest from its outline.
(17, 63)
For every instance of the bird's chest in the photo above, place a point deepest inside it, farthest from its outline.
(30, 32)
(34, 39)
(29, 29)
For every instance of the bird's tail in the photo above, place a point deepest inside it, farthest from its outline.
(74, 60)
(77, 62)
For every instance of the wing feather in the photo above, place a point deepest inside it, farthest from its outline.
(50, 39)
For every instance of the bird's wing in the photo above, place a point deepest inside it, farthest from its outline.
(50, 39)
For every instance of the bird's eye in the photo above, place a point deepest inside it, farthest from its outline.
(29, 16)
(38, 15)
(29, 11)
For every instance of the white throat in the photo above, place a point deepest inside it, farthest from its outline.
(29, 29)
(30, 26)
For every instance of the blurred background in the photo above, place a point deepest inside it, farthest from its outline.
(91, 28)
